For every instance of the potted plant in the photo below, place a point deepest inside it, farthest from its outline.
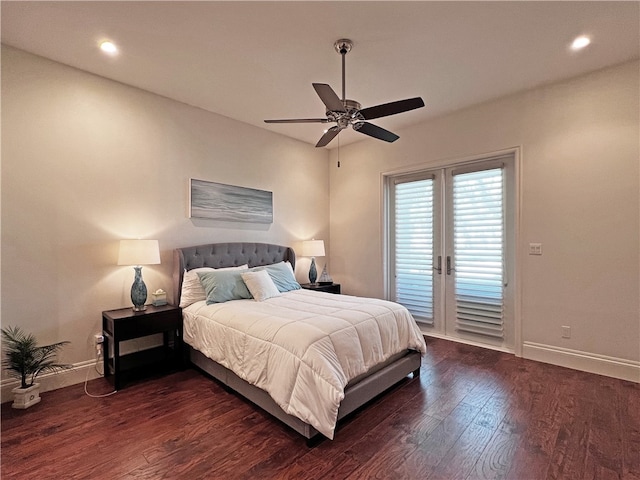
(25, 360)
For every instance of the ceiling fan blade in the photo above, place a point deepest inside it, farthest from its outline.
(328, 136)
(392, 108)
(375, 131)
(329, 97)
(299, 120)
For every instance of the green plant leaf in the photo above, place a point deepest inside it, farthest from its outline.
(23, 359)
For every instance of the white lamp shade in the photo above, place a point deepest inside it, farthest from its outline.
(313, 248)
(139, 252)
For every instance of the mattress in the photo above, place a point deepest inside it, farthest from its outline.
(302, 347)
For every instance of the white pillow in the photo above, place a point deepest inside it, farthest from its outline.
(260, 285)
(192, 290)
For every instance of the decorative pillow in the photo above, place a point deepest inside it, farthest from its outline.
(222, 286)
(192, 290)
(260, 285)
(282, 275)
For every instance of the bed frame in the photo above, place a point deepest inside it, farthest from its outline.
(358, 393)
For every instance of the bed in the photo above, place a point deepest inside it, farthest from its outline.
(213, 341)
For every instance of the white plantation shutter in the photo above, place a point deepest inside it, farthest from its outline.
(414, 247)
(478, 229)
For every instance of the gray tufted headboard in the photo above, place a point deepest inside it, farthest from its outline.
(218, 255)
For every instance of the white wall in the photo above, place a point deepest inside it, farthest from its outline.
(87, 161)
(579, 184)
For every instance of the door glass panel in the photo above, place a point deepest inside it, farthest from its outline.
(478, 229)
(414, 248)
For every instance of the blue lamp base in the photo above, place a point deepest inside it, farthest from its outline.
(138, 291)
(313, 272)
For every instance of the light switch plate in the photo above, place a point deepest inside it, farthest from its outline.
(535, 249)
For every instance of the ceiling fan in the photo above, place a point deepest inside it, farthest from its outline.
(349, 112)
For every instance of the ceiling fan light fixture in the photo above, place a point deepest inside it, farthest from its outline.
(345, 112)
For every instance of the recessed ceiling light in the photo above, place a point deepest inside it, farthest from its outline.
(108, 47)
(580, 42)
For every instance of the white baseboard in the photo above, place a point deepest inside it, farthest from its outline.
(584, 361)
(564, 357)
(77, 374)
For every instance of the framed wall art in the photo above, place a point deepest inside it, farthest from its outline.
(229, 203)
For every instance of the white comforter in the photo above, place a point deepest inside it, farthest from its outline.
(302, 347)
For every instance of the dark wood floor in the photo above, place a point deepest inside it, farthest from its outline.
(472, 414)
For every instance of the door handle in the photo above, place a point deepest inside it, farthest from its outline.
(439, 267)
(449, 265)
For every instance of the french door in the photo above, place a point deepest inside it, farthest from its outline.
(451, 238)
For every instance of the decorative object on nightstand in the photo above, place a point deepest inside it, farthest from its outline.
(159, 298)
(313, 249)
(325, 278)
(24, 360)
(138, 253)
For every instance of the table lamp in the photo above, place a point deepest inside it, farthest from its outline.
(138, 253)
(313, 249)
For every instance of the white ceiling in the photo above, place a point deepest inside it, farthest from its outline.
(256, 60)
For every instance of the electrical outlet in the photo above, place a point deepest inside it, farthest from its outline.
(566, 331)
(98, 341)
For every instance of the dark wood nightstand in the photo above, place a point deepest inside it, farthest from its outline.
(331, 288)
(125, 324)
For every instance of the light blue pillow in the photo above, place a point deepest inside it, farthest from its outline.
(222, 286)
(282, 275)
